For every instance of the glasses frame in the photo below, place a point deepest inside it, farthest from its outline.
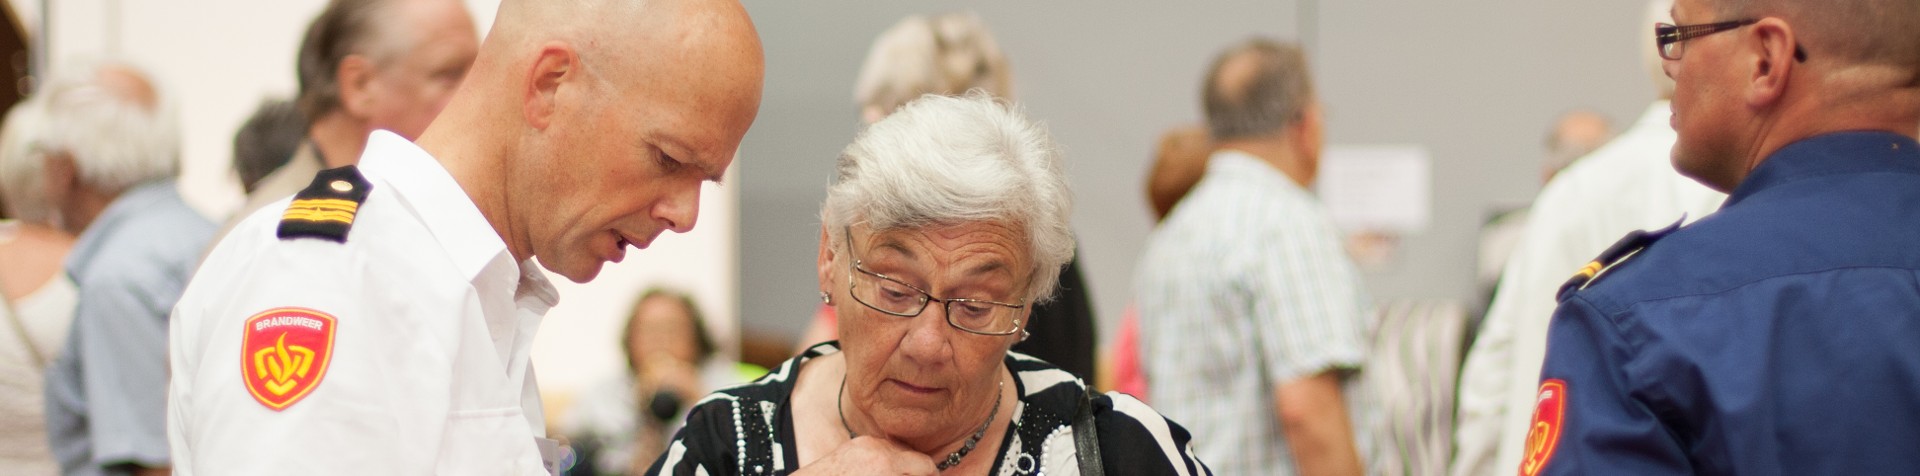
(1667, 37)
(946, 305)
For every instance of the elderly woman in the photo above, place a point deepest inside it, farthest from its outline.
(946, 221)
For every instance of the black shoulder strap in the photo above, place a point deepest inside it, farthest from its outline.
(1086, 437)
(325, 209)
(1635, 241)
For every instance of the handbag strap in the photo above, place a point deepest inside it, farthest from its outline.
(1086, 437)
(26, 340)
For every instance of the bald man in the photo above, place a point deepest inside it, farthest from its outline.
(380, 321)
(1777, 335)
(1252, 319)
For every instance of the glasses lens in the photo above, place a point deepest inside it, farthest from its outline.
(981, 317)
(886, 295)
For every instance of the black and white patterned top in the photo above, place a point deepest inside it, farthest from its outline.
(748, 429)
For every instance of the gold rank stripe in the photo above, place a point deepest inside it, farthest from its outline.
(348, 206)
(318, 216)
(1592, 268)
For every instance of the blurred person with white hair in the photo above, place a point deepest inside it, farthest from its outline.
(946, 221)
(1628, 184)
(951, 54)
(367, 65)
(36, 296)
(112, 151)
(1253, 320)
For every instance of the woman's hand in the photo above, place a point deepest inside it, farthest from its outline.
(870, 455)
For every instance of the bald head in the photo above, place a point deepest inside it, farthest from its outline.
(587, 127)
(1882, 33)
(1256, 89)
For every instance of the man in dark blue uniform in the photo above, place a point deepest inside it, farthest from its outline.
(1782, 334)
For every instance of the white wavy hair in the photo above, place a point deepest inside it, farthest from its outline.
(943, 160)
(116, 141)
(21, 166)
(949, 53)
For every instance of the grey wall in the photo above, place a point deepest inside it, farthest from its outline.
(1475, 81)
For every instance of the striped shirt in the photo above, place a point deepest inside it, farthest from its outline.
(748, 429)
(1243, 287)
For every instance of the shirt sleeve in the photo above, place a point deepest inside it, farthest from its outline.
(704, 446)
(1307, 305)
(1135, 439)
(1603, 426)
(120, 334)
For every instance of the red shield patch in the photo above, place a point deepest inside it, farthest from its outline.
(1543, 435)
(284, 354)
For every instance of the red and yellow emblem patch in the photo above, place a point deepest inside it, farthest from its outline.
(1543, 435)
(284, 354)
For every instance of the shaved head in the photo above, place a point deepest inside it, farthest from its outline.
(587, 127)
(1884, 33)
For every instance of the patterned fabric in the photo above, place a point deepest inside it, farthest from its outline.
(1246, 286)
(748, 430)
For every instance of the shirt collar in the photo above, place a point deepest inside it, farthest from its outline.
(1837, 153)
(131, 203)
(1233, 163)
(432, 195)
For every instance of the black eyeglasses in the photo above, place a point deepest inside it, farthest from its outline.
(896, 298)
(1669, 37)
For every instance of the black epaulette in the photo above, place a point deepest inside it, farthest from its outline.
(1627, 246)
(326, 208)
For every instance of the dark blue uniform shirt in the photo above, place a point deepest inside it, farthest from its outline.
(1779, 336)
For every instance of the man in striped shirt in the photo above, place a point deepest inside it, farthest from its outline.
(1253, 320)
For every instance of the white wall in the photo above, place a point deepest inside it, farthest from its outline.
(217, 59)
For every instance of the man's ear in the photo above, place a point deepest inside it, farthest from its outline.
(355, 78)
(1774, 44)
(826, 261)
(60, 176)
(556, 64)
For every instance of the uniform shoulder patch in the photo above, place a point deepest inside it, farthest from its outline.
(325, 209)
(284, 354)
(1627, 246)
(1543, 434)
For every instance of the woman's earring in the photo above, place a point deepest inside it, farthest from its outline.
(1024, 335)
(826, 298)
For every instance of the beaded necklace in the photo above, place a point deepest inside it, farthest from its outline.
(953, 459)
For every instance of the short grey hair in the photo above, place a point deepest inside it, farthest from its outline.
(116, 141)
(346, 27)
(1880, 32)
(946, 54)
(1275, 96)
(21, 166)
(943, 160)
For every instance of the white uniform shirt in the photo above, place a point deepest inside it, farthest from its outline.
(1627, 185)
(426, 372)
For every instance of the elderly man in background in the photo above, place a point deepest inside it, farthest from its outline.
(36, 296)
(112, 151)
(368, 65)
(381, 321)
(1628, 184)
(1253, 321)
(1776, 336)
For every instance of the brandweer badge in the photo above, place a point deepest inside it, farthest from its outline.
(284, 354)
(1543, 435)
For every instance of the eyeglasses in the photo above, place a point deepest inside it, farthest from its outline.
(1670, 38)
(895, 298)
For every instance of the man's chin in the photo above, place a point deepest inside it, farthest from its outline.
(579, 274)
